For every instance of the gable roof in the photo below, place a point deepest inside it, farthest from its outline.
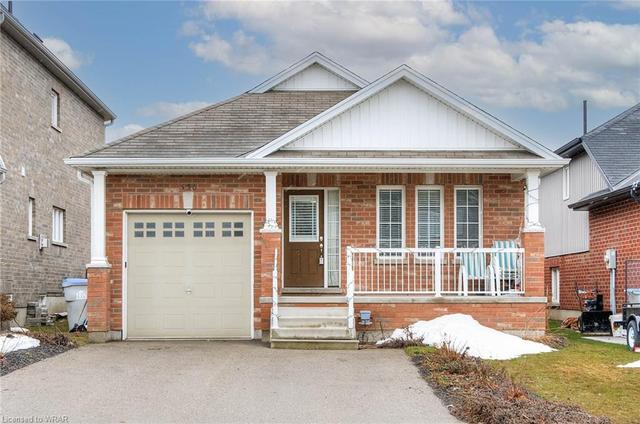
(300, 66)
(36, 47)
(422, 82)
(227, 129)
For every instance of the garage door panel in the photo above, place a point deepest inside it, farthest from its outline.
(189, 276)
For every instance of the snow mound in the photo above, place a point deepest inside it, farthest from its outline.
(462, 332)
(635, 364)
(17, 342)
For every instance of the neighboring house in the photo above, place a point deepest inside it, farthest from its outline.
(587, 208)
(313, 190)
(46, 113)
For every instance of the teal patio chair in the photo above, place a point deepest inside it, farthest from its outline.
(473, 266)
(505, 264)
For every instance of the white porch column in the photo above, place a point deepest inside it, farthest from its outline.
(98, 221)
(270, 194)
(532, 201)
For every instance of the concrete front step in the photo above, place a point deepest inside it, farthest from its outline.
(312, 311)
(312, 322)
(313, 344)
(320, 333)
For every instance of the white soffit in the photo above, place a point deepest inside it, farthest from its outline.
(496, 131)
(295, 75)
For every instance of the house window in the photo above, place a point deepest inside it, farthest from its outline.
(468, 215)
(566, 191)
(303, 218)
(31, 217)
(429, 217)
(555, 285)
(332, 242)
(390, 217)
(55, 109)
(57, 234)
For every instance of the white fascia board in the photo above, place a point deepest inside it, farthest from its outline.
(421, 82)
(628, 181)
(319, 164)
(303, 64)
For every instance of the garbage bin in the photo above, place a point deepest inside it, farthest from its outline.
(75, 294)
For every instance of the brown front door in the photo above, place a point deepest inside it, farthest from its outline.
(303, 238)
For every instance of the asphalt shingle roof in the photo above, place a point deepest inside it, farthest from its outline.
(228, 129)
(615, 145)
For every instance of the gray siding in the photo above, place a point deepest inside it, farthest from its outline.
(567, 231)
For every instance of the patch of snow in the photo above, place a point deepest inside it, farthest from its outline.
(635, 364)
(461, 331)
(17, 342)
(19, 330)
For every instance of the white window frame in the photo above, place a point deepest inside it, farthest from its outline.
(30, 215)
(555, 285)
(296, 239)
(417, 223)
(58, 223)
(480, 213)
(402, 213)
(566, 183)
(55, 109)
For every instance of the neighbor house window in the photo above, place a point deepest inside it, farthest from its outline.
(57, 234)
(55, 109)
(429, 217)
(390, 217)
(303, 218)
(555, 285)
(566, 191)
(31, 217)
(468, 214)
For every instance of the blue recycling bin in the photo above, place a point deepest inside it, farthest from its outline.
(75, 294)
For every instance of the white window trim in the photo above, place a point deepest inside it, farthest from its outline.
(55, 109)
(326, 233)
(480, 213)
(54, 239)
(31, 204)
(555, 285)
(566, 182)
(441, 190)
(295, 239)
(402, 214)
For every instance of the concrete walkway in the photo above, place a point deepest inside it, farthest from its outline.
(159, 382)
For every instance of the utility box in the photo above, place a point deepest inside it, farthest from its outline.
(610, 258)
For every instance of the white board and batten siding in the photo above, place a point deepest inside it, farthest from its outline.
(315, 78)
(403, 117)
(566, 230)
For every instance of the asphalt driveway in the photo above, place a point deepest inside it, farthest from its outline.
(159, 382)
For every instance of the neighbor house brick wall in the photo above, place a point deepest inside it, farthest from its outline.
(28, 141)
(616, 226)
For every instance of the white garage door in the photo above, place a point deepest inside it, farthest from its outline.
(189, 276)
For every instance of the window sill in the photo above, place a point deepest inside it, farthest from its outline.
(55, 127)
(59, 244)
(32, 238)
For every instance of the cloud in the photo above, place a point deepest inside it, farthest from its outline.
(73, 59)
(547, 67)
(115, 133)
(169, 110)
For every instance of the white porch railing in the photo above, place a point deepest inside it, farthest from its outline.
(274, 292)
(438, 272)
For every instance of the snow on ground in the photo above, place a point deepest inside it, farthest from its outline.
(635, 364)
(462, 332)
(17, 342)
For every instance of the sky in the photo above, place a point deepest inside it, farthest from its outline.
(528, 63)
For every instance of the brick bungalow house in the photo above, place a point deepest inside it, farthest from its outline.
(46, 114)
(293, 209)
(588, 208)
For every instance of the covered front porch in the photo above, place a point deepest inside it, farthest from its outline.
(406, 246)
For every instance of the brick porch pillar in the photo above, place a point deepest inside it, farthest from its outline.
(99, 303)
(271, 241)
(533, 244)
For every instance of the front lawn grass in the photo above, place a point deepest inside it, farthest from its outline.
(584, 373)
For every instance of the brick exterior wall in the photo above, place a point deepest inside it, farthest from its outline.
(28, 140)
(616, 226)
(503, 216)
